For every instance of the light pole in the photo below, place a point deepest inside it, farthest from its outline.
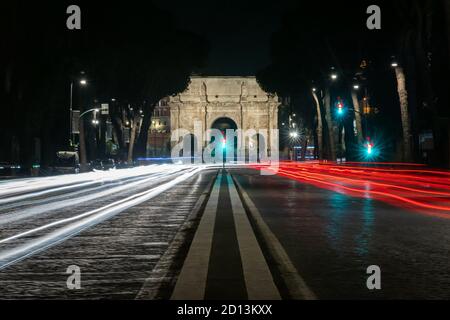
(89, 111)
(294, 136)
(224, 152)
(82, 82)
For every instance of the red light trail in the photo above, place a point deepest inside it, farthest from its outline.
(424, 190)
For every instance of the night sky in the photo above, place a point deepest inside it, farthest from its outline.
(239, 32)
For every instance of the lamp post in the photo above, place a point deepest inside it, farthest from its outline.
(224, 152)
(82, 82)
(89, 111)
(81, 148)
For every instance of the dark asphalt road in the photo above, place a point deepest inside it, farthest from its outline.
(332, 239)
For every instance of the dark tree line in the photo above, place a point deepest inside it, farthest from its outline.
(317, 36)
(133, 53)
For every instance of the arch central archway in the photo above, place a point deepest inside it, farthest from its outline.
(223, 124)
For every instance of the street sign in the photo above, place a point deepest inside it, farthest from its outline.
(104, 109)
(75, 121)
(426, 140)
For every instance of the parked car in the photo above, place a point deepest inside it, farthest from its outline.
(96, 165)
(109, 164)
(104, 165)
(124, 164)
(66, 162)
(8, 170)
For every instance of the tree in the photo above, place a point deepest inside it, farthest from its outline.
(133, 53)
(135, 125)
(403, 97)
(319, 129)
(332, 134)
(357, 112)
(149, 66)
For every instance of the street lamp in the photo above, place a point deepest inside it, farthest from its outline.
(294, 135)
(394, 64)
(89, 111)
(334, 76)
(82, 82)
(356, 86)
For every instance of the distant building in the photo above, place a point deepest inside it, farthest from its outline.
(158, 143)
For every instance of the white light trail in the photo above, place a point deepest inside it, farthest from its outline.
(67, 182)
(73, 225)
(47, 207)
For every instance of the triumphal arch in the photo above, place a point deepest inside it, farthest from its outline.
(215, 101)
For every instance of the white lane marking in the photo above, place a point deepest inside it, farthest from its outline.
(296, 285)
(191, 283)
(34, 246)
(258, 278)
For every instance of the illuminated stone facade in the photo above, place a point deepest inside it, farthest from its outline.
(240, 99)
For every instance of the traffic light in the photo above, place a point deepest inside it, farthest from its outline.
(369, 146)
(340, 107)
(369, 149)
